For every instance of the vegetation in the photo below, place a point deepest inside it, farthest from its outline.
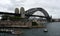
(34, 24)
(6, 17)
(15, 18)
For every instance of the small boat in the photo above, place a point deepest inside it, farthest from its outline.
(45, 30)
(5, 30)
(16, 32)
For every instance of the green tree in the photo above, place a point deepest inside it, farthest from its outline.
(15, 18)
(34, 24)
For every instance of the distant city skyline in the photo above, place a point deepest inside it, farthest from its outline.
(51, 6)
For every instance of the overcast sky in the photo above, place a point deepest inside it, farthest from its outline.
(51, 6)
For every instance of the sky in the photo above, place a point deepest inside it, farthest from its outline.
(51, 6)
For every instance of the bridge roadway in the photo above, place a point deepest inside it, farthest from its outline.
(25, 14)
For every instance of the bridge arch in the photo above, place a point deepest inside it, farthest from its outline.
(33, 10)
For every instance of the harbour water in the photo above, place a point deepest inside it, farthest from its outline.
(53, 30)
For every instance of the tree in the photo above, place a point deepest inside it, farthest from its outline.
(15, 18)
(34, 24)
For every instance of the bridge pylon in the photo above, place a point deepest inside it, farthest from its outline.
(49, 19)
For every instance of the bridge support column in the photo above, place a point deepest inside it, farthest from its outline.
(22, 12)
(49, 19)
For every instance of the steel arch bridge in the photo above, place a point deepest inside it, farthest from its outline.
(33, 10)
(29, 13)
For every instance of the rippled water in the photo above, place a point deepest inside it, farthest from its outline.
(53, 30)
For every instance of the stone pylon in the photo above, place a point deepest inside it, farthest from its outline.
(16, 10)
(22, 12)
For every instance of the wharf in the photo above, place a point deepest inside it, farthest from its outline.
(18, 24)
